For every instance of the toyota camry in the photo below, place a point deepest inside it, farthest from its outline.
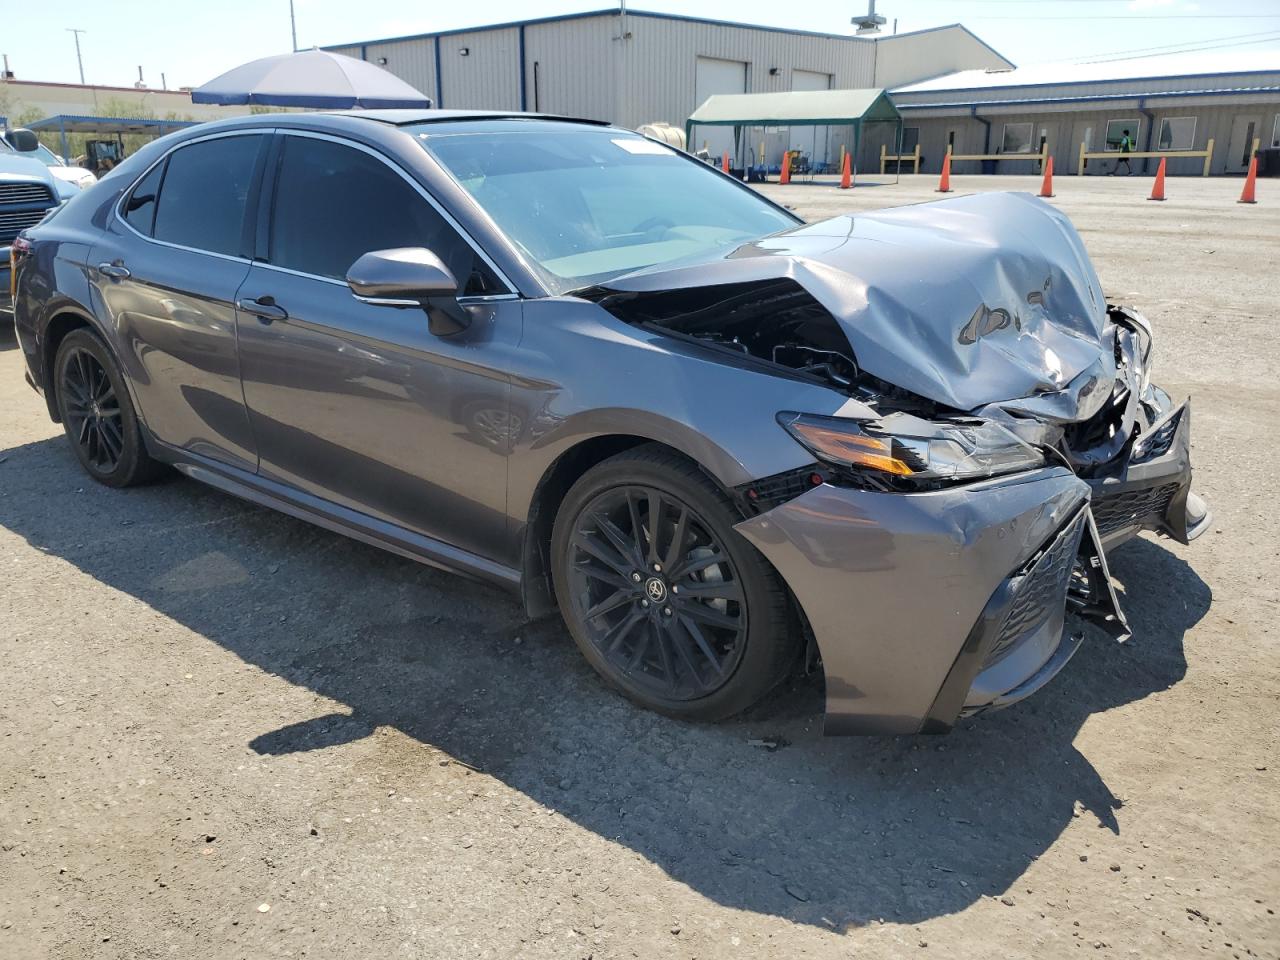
(595, 371)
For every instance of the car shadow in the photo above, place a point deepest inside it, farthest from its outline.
(761, 813)
(8, 335)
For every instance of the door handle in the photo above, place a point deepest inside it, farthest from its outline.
(264, 308)
(116, 271)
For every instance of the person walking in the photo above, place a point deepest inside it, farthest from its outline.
(1126, 147)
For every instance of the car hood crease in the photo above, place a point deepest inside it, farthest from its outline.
(968, 301)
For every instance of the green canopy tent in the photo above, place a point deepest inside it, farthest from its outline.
(798, 108)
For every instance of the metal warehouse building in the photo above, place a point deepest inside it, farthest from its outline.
(1173, 103)
(632, 68)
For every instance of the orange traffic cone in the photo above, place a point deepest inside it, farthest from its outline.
(1046, 188)
(846, 175)
(1247, 195)
(944, 182)
(785, 176)
(1157, 192)
(724, 162)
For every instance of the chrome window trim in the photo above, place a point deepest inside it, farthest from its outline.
(512, 290)
(118, 213)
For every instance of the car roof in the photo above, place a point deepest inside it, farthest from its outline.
(402, 118)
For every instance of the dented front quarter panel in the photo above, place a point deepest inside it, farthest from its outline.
(893, 583)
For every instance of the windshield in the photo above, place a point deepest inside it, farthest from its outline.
(587, 204)
(48, 157)
(41, 153)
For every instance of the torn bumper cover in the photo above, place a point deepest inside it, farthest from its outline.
(997, 564)
(1151, 488)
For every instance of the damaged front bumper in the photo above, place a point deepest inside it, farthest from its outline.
(1150, 489)
(930, 606)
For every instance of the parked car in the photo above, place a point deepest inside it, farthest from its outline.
(70, 178)
(28, 191)
(571, 361)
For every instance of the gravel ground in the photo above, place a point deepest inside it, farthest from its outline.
(225, 733)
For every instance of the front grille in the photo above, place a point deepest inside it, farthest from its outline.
(13, 223)
(12, 193)
(1132, 508)
(1042, 590)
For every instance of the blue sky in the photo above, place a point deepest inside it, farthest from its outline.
(191, 42)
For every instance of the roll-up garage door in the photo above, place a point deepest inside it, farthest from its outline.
(812, 140)
(717, 76)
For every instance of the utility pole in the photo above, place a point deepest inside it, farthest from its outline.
(79, 59)
(293, 27)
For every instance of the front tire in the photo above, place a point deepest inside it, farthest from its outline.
(662, 596)
(97, 414)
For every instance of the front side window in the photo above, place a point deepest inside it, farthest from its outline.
(1178, 133)
(1016, 139)
(586, 204)
(334, 203)
(1122, 135)
(205, 192)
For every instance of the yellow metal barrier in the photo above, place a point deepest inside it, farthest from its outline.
(887, 158)
(1116, 155)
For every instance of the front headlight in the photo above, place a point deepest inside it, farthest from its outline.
(901, 450)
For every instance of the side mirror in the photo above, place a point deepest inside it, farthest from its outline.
(22, 140)
(410, 277)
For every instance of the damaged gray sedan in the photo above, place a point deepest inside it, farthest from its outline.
(570, 361)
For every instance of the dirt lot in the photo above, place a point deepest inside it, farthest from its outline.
(224, 733)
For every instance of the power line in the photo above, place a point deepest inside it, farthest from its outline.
(1147, 16)
(1242, 43)
(1167, 47)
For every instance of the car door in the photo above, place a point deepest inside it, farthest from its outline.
(360, 404)
(166, 270)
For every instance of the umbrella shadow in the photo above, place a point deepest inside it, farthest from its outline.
(832, 832)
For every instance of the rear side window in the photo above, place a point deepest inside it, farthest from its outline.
(140, 210)
(334, 203)
(204, 194)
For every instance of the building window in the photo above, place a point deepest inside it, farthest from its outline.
(1016, 139)
(1177, 133)
(1275, 132)
(1117, 130)
(910, 137)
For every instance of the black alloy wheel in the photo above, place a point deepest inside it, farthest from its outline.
(97, 414)
(92, 410)
(657, 592)
(663, 597)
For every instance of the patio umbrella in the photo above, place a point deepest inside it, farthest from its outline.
(310, 78)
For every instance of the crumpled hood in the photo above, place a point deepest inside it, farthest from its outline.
(967, 301)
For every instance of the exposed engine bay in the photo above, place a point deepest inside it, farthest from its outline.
(776, 322)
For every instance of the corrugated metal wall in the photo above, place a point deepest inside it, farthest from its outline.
(661, 59)
(910, 57)
(585, 67)
(577, 72)
(1066, 129)
(488, 76)
(1094, 89)
(413, 61)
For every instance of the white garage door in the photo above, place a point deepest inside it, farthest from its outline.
(812, 140)
(717, 76)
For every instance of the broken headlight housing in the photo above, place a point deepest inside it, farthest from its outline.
(904, 452)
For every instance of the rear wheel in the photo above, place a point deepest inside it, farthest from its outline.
(97, 414)
(664, 598)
